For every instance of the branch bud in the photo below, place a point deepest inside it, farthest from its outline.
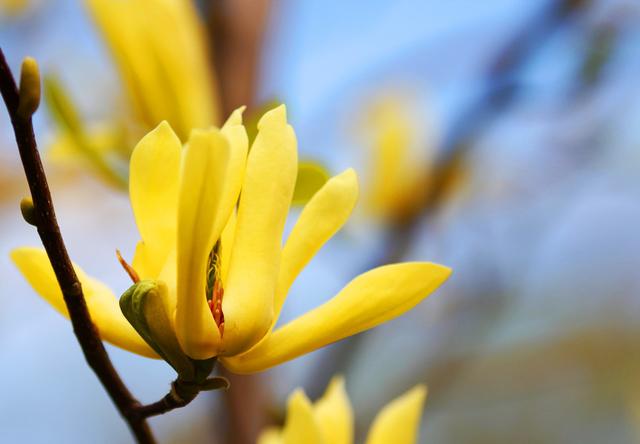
(29, 88)
(28, 211)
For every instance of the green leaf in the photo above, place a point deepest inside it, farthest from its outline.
(67, 117)
(60, 105)
(311, 177)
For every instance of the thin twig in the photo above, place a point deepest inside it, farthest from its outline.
(49, 232)
(161, 407)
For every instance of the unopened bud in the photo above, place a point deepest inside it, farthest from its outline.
(29, 88)
(28, 210)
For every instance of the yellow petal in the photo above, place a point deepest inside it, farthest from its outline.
(370, 299)
(226, 246)
(237, 137)
(153, 189)
(125, 29)
(271, 435)
(321, 218)
(263, 209)
(202, 181)
(235, 133)
(181, 63)
(399, 421)
(235, 118)
(334, 414)
(167, 79)
(301, 425)
(390, 164)
(146, 262)
(103, 306)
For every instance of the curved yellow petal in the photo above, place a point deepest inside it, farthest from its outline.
(226, 246)
(181, 63)
(271, 435)
(165, 78)
(124, 26)
(320, 219)
(301, 425)
(334, 414)
(264, 205)
(399, 421)
(235, 133)
(370, 299)
(146, 262)
(237, 137)
(235, 118)
(153, 189)
(202, 180)
(34, 265)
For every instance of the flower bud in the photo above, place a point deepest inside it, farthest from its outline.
(29, 88)
(28, 211)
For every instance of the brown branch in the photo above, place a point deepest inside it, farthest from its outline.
(166, 404)
(49, 232)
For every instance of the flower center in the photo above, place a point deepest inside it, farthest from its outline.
(214, 289)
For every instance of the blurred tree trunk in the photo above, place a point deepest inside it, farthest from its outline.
(237, 32)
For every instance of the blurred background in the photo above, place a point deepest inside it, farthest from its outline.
(500, 138)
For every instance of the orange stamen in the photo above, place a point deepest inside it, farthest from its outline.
(215, 305)
(128, 268)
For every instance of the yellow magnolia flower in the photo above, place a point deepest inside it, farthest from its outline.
(405, 172)
(394, 166)
(211, 217)
(159, 49)
(330, 419)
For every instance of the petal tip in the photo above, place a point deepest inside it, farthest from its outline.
(336, 384)
(275, 117)
(337, 380)
(163, 129)
(205, 134)
(439, 272)
(236, 116)
(297, 397)
(349, 175)
(420, 391)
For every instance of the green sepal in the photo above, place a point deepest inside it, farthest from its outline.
(144, 305)
(311, 177)
(215, 383)
(202, 369)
